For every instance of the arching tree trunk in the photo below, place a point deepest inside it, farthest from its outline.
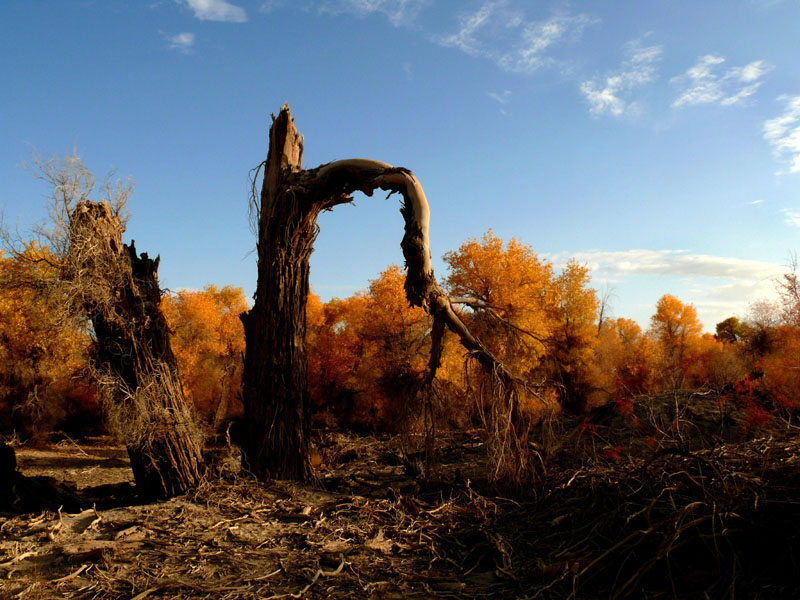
(274, 379)
(119, 292)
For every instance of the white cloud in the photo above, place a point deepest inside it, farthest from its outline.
(216, 10)
(701, 84)
(783, 133)
(609, 95)
(719, 286)
(399, 12)
(464, 39)
(677, 262)
(270, 5)
(182, 42)
(717, 302)
(792, 217)
(505, 36)
(502, 98)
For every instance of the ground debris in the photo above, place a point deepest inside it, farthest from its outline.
(672, 523)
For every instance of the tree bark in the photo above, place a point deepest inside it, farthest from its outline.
(134, 357)
(274, 387)
(275, 371)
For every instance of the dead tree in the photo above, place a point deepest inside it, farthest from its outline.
(105, 287)
(118, 291)
(274, 380)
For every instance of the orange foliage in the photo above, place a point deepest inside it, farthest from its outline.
(676, 328)
(366, 353)
(553, 318)
(41, 352)
(625, 359)
(781, 370)
(573, 337)
(208, 341)
(334, 350)
(518, 285)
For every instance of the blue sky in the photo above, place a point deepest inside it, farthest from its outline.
(656, 140)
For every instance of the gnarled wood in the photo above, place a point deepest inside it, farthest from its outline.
(274, 380)
(120, 294)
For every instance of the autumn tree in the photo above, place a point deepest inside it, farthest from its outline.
(541, 324)
(716, 364)
(275, 392)
(517, 286)
(367, 353)
(208, 341)
(624, 360)
(573, 336)
(676, 327)
(397, 343)
(43, 357)
(335, 351)
(780, 368)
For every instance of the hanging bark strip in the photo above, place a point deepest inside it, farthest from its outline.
(119, 292)
(275, 372)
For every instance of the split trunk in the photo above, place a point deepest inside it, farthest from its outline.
(134, 359)
(274, 382)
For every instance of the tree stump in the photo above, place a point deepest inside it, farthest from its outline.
(136, 366)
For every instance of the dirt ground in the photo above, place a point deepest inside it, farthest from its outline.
(720, 522)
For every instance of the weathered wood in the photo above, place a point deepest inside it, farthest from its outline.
(122, 298)
(274, 379)
(274, 387)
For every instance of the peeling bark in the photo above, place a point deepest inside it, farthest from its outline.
(274, 380)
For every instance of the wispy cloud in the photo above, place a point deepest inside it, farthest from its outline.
(399, 12)
(719, 286)
(702, 83)
(502, 98)
(792, 217)
(216, 10)
(609, 95)
(677, 262)
(182, 42)
(783, 133)
(270, 5)
(506, 36)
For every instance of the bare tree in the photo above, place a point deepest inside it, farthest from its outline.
(788, 286)
(274, 381)
(114, 291)
(605, 308)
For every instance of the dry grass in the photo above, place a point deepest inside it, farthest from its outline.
(714, 522)
(140, 418)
